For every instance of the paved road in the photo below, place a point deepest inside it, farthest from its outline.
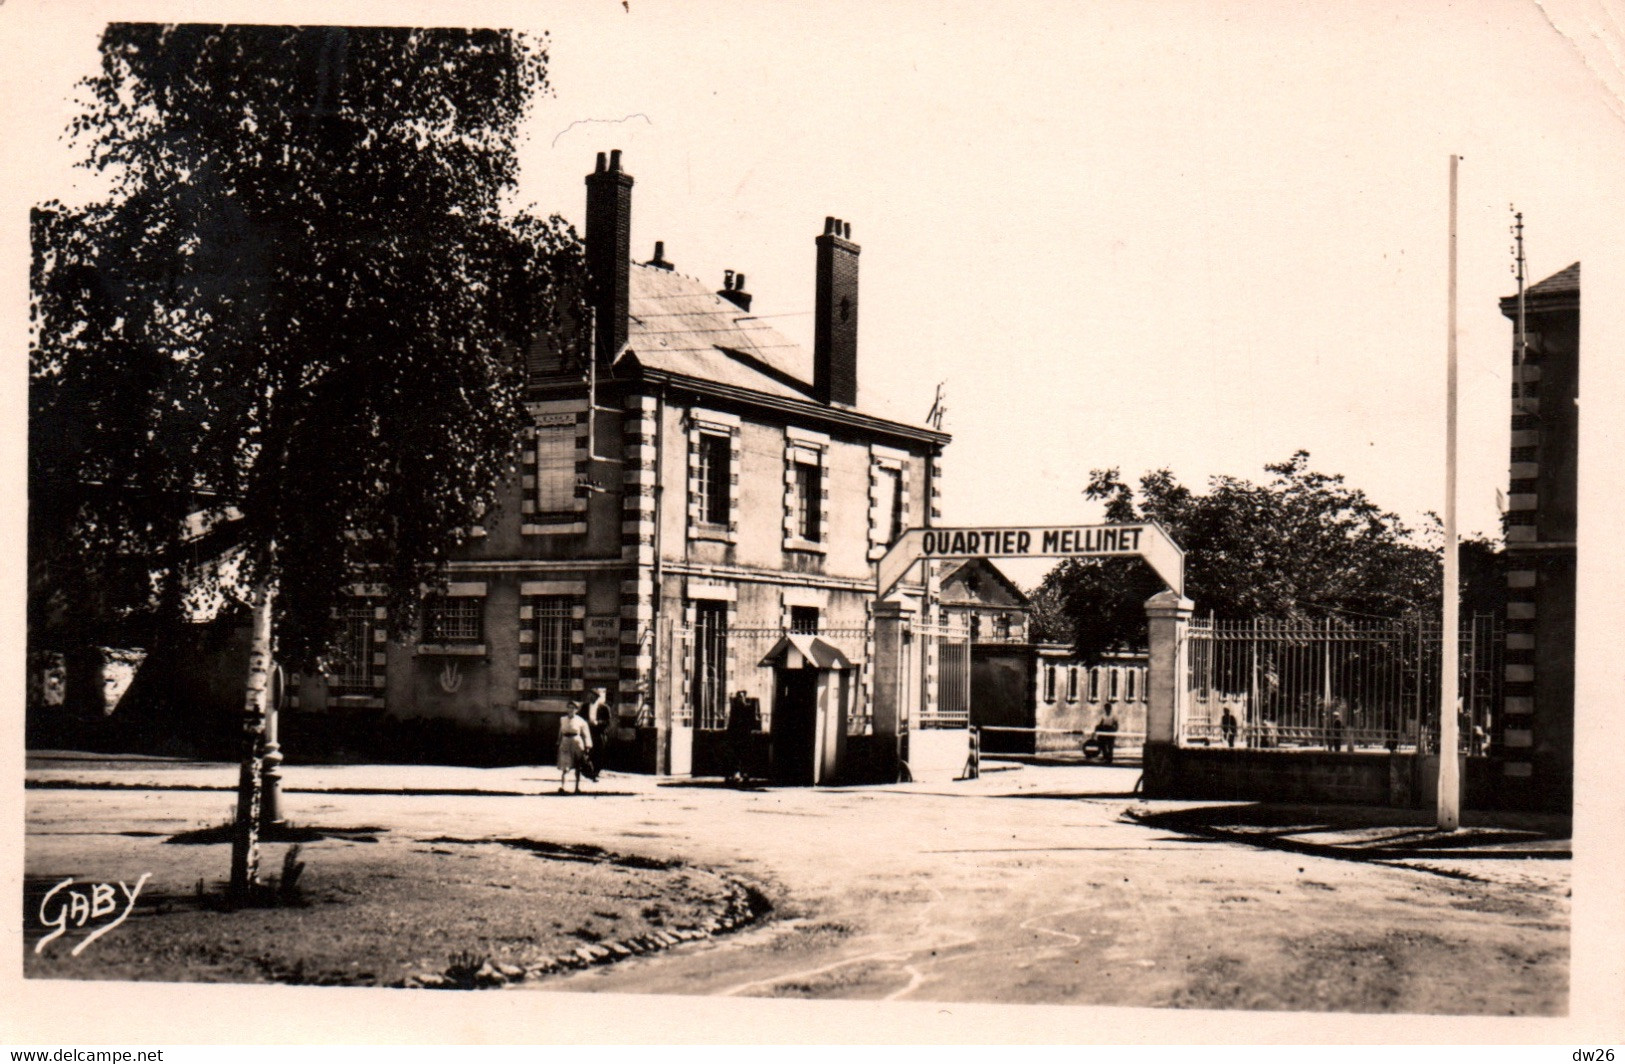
(1025, 886)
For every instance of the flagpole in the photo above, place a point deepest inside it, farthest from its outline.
(1450, 665)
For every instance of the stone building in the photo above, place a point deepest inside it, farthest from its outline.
(698, 489)
(1536, 734)
(979, 597)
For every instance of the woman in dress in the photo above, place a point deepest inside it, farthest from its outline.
(575, 739)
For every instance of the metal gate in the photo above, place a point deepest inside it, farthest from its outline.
(948, 645)
(1338, 683)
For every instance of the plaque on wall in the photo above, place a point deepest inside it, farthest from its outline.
(601, 653)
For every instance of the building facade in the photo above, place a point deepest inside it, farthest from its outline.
(978, 596)
(1535, 742)
(690, 493)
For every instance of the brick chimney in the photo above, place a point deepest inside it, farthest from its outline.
(835, 330)
(609, 250)
(733, 290)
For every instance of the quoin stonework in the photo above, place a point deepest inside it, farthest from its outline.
(1536, 748)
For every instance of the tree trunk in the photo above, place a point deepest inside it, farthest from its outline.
(245, 855)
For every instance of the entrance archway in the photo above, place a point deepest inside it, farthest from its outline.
(894, 697)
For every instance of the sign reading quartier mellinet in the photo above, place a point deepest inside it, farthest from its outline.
(1147, 541)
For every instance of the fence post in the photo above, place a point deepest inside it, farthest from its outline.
(1167, 618)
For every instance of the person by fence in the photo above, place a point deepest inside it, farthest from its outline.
(1106, 734)
(973, 759)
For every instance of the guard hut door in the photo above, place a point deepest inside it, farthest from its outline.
(810, 693)
(795, 726)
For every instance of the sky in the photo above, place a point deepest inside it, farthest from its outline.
(1132, 235)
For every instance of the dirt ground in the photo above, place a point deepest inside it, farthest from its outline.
(1027, 886)
(372, 907)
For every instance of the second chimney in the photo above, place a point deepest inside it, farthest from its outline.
(733, 290)
(835, 327)
(609, 251)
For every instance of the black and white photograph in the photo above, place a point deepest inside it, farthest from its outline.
(487, 582)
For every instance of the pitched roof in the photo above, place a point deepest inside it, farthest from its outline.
(813, 650)
(968, 576)
(1565, 280)
(1559, 292)
(678, 325)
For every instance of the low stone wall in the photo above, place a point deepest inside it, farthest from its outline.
(1366, 778)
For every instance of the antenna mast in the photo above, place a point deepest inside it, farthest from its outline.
(1520, 352)
(939, 409)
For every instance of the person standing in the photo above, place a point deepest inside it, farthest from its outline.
(1227, 727)
(1106, 734)
(599, 721)
(741, 726)
(575, 740)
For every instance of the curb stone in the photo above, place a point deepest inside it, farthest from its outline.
(735, 912)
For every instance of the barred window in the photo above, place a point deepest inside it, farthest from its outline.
(555, 469)
(554, 627)
(350, 670)
(714, 478)
(808, 501)
(710, 678)
(804, 620)
(892, 485)
(459, 619)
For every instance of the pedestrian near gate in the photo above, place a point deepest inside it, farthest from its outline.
(1334, 682)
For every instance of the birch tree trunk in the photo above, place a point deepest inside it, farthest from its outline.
(245, 843)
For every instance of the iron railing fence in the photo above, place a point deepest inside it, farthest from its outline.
(1336, 683)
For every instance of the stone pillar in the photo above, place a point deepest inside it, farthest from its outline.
(1167, 683)
(891, 671)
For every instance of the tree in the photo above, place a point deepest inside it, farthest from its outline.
(290, 338)
(1301, 544)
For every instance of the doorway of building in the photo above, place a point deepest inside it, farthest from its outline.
(795, 725)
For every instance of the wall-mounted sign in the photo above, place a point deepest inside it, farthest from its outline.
(552, 420)
(601, 663)
(601, 652)
(1147, 541)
